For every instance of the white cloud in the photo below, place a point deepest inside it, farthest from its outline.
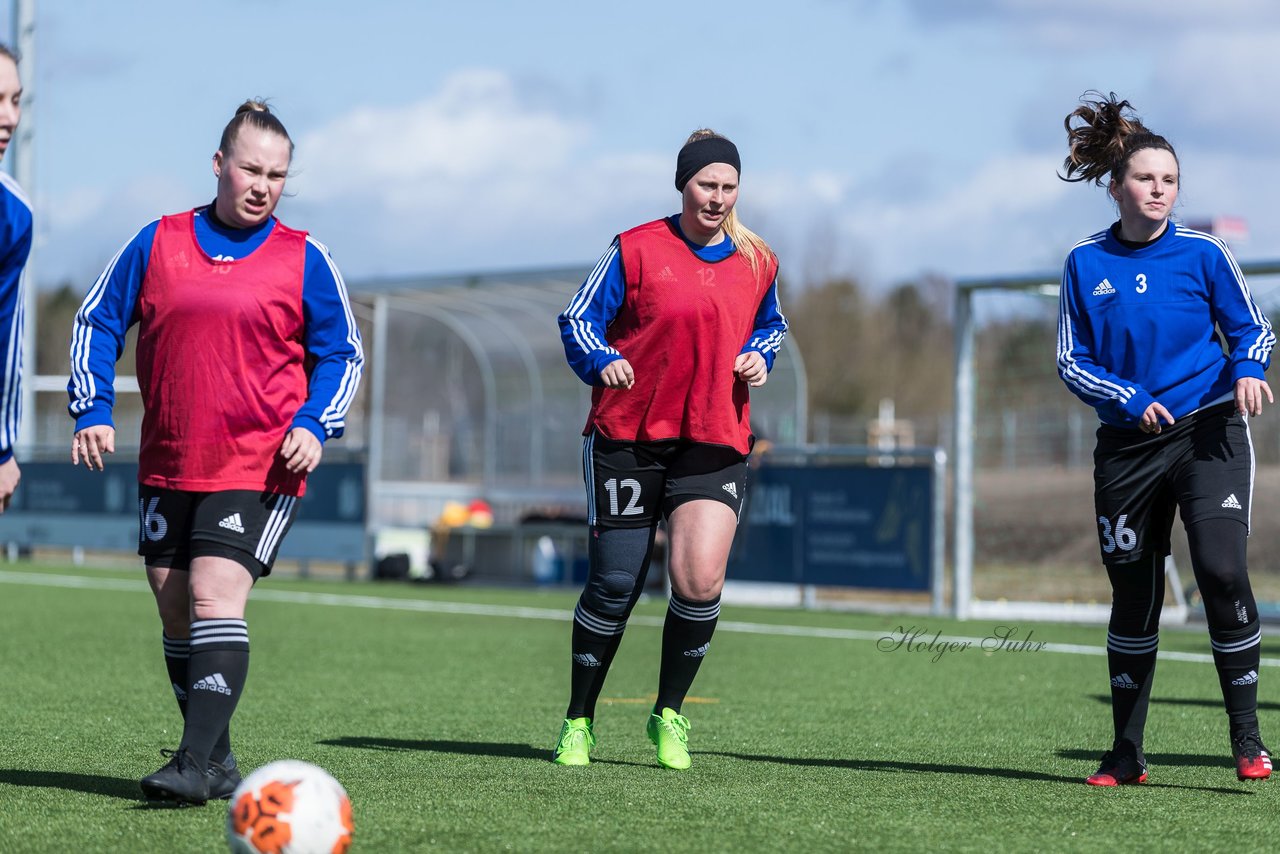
(439, 182)
(1217, 90)
(474, 127)
(1005, 216)
(1097, 23)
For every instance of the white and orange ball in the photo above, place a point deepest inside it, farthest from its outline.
(290, 807)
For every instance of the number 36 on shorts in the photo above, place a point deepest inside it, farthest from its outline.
(1117, 536)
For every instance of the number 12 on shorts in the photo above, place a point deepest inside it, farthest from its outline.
(1119, 537)
(630, 484)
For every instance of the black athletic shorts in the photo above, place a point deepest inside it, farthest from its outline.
(239, 524)
(630, 483)
(1201, 467)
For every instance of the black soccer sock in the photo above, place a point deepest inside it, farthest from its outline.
(1132, 662)
(217, 670)
(176, 653)
(1133, 637)
(595, 640)
(1218, 557)
(619, 564)
(686, 638)
(1237, 654)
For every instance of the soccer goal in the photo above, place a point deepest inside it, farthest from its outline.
(1024, 544)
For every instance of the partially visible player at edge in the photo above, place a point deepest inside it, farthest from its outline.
(15, 246)
(1141, 306)
(248, 358)
(679, 318)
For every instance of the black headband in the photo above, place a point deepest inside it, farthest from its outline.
(703, 152)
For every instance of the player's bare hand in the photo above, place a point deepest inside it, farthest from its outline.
(1249, 394)
(301, 451)
(618, 374)
(751, 369)
(9, 477)
(1151, 419)
(91, 443)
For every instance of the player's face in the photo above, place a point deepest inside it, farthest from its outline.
(708, 198)
(10, 102)
(251, 177)
(1149, 188)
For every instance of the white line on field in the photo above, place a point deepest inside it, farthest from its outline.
(923, 641)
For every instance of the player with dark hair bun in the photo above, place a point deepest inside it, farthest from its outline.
(1142, 306)
(16, 229)
(676, 323)
(248, 358)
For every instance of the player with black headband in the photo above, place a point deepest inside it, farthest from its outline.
(1142, 305)
(676, 322)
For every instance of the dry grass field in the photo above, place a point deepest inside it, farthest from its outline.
(1035, 537)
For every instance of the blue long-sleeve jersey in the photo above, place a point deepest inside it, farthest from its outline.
(331, 337)
(1137, 325)
(585, 322)
(15, 246)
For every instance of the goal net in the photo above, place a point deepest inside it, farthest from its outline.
(1025, 543)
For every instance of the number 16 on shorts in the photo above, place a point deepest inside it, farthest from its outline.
(1116, 537)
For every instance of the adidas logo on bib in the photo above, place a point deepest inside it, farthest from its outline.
(232, 523)
(1103, 288)
(1232, 503)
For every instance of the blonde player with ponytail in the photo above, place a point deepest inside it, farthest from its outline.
(675, 324)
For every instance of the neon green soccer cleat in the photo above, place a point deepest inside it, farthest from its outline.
(670, 733)
(576, 741)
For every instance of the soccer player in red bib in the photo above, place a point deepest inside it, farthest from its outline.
(1159, 333)
(248, 358)
(676, 322)
(15, 246)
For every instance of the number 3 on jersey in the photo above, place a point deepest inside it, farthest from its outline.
(1119, 537)
(633, 508)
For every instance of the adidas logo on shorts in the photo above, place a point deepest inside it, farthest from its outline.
(232, 523)
(1232, 503)
(731, 488)
(1123, 681)
(1249, 678)
(213, 683)
(1103, 288)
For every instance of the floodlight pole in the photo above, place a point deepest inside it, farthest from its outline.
(962, 482)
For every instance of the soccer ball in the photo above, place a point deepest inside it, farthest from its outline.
(289, 807)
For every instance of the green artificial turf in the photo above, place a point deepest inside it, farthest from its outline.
(437, 709)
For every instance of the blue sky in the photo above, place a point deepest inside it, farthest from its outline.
(879, 138)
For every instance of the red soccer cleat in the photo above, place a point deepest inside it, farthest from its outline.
(1253, 762)
(1119, 767)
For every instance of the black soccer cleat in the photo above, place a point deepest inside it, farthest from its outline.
(180, 781)
(223, 777)
(1120, 766)
(1253, 762)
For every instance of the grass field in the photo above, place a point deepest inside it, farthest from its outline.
(437, 709)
